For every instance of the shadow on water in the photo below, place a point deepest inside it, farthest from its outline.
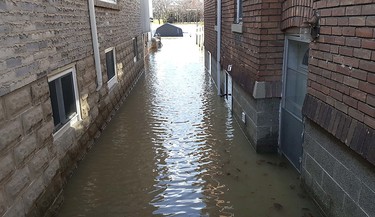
(173, 149)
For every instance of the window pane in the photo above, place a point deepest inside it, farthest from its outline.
(305, 60)
(110, 64)
(135, 48)
(54, 102)
(68, 96)
(295, 92)
(240, 10)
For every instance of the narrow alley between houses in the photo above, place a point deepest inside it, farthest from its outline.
(174, 149)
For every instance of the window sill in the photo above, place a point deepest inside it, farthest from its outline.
(112, 82)
(61, 132)
(236, 27)
(104, 4)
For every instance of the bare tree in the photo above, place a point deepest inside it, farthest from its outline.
(160, 9)
(178, 10)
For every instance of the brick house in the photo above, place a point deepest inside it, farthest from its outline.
(65, 67)
(311, 99)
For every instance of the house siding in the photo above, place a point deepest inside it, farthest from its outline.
(40, 39)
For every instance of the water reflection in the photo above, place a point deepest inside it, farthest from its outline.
(173, 149)
(180, 141)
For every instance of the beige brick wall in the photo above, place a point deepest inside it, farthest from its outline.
(38, 38)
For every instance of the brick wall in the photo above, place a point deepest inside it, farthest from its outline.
(339, 151)
(256, 54)
(295, 13)
(39, 38)
(209, 23)
(342, 69)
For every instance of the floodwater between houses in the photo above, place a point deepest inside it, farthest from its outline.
(174, 149)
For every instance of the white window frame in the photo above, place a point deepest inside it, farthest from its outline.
(110, 1)
(111, 82)
(77, 116)
(135, 49)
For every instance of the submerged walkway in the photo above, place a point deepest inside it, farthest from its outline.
(174, 149)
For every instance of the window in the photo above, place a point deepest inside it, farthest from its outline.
(239, 11)
(64, 98)
(305, 59)
(135, 49)
(110, 1)
(110, 60)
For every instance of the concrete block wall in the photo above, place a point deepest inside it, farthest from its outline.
(40, 38)
(339, 179)
(261, 121)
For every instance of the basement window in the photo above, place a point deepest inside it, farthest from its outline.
(109, 4)
(110, 1)
(238, 11)
(110, 60)
(135, 49)
(237, 25)
(64, 98)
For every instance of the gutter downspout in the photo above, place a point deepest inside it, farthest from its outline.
(95, 45)
(218, 46)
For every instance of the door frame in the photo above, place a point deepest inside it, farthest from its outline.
(283, 80)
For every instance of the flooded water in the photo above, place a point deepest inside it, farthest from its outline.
(173, 149)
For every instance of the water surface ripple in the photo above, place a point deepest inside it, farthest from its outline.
(173, 149)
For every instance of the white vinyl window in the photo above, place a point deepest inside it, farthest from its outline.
(110, 60)
(110, 1)
(64, 98)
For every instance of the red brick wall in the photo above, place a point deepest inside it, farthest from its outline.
(256, 54)
(272, 41)
(342, 70)
(209, 23)
(295, 12)
(341, 79)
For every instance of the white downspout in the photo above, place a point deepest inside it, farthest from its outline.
(218, 46)
(95, 45)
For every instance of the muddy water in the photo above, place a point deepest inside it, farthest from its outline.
(174, 149)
